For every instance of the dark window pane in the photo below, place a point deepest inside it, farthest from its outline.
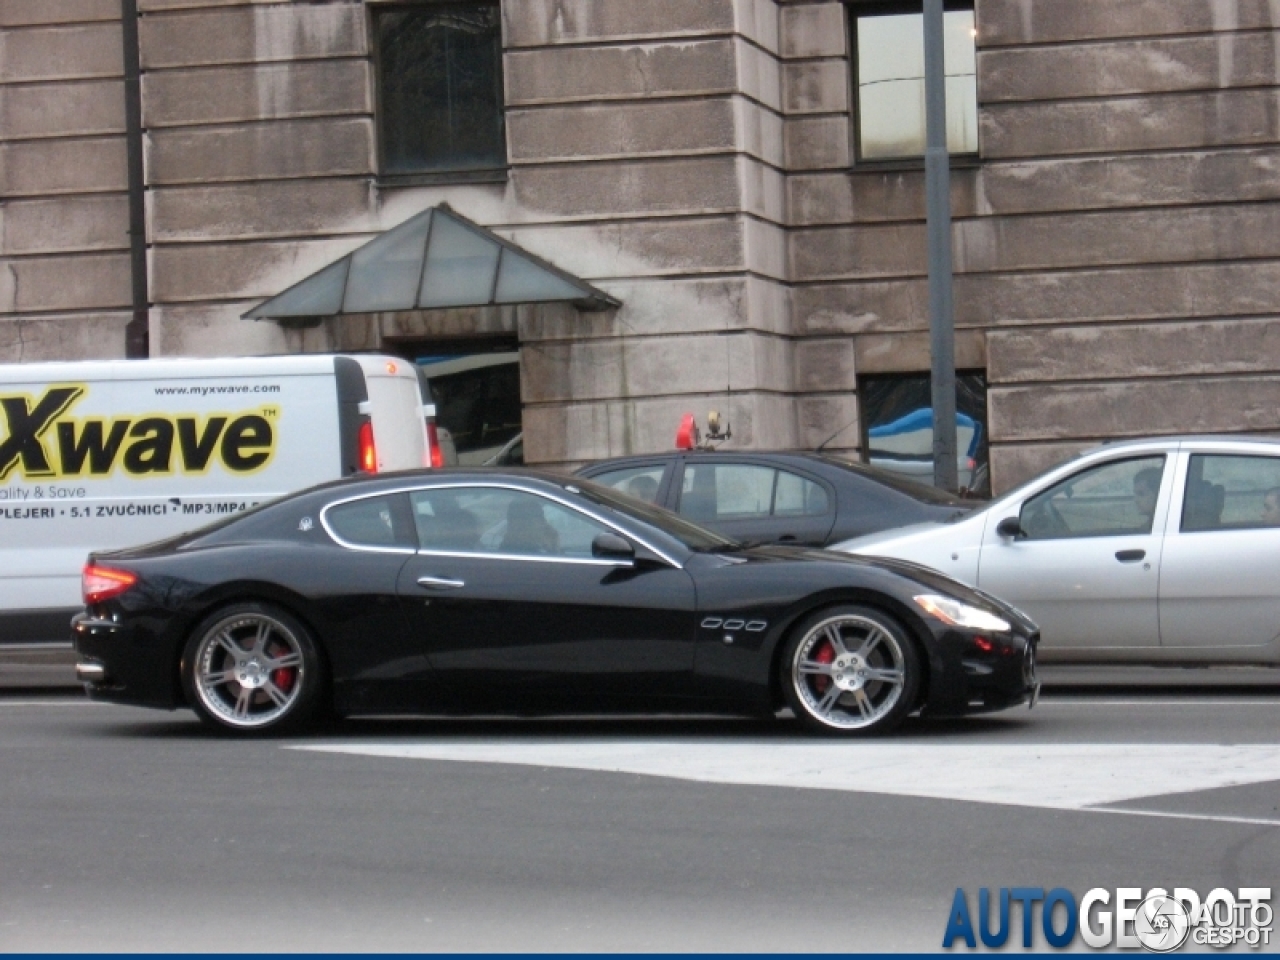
(365, 523)
(899, 421)
(440, 87)
(480, 407)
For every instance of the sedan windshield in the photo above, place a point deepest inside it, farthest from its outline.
(696, 538)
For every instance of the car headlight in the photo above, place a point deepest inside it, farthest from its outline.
(957, 614)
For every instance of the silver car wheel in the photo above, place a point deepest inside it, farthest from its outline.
(848, 672)
(249, 670)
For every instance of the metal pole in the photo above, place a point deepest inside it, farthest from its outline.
(137, 332)
(937, 172)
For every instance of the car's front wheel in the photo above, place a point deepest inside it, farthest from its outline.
(252, 668)
(850, 670)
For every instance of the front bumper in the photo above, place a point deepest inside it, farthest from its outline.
(981, 673)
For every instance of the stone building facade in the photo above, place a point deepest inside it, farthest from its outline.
(1116, 237)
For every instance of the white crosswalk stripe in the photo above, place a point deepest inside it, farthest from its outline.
(1054, 776)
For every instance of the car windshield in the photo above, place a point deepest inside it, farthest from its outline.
(895, 481)
(696, 538)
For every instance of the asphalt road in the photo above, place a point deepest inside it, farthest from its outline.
(124, 829)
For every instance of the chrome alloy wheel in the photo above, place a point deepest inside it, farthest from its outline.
(249, 670)
(848, 672)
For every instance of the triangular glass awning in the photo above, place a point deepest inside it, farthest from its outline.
(435, 259)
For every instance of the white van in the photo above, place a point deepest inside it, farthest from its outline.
(100, 455)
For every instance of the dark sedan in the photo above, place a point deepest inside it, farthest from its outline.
(804, 498)
(496, 590)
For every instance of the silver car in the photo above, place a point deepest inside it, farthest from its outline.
(1148, 551)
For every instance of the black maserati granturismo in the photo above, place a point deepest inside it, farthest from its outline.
(474, 590)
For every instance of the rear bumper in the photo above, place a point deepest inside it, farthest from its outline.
(122, 664)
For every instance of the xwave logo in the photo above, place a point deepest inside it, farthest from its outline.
(42, 442)
(1156, 920)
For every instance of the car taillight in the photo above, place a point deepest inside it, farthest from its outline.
(102, 583)
(433, 441)
(368, 452)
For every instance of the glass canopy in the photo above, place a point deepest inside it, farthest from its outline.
(435, 259)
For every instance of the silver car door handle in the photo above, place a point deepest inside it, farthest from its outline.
(1130, 556)
(440, 583)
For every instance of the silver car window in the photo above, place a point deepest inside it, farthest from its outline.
(1112, 499)
(1231, 493)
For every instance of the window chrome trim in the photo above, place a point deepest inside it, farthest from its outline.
(491, 485)
(531, 557)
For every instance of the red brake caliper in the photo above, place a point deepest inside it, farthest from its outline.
(824, 654)
(283, 677)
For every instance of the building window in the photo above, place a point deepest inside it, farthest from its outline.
(897, 412)
(889, 71)
(439, 88)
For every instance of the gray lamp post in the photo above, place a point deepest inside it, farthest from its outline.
(137, 330)
(937, 171)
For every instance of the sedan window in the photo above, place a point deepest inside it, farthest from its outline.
(1231, 492)
(797, 497)
(639, 482)
(723, 491)
(500, 521)
(1113, 499)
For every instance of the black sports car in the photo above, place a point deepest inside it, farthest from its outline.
(811, 499)
(497, 590)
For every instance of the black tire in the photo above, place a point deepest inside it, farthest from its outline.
(253, 668)
(850, 670)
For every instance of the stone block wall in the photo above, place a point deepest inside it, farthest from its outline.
(64, 262)
(646, 150)
(1115, 243)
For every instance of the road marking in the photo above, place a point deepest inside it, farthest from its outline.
(1080, 701)
(1052, 776)
(1188, 816)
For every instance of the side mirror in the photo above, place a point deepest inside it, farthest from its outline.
(1010, 528)
(610, 546)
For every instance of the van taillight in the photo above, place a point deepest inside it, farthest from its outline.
(433, 441)
(368, 452)
(102, 583)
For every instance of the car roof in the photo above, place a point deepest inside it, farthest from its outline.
(1190, 438)
(791, 456)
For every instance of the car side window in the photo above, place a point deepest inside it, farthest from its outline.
(639, 482)
(726, 491)
(1227, 492)
(370, 522)
(1112, 499)
(738, 491)
(797, 496)
(502, 522)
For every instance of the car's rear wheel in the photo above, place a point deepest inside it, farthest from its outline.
(850, 670)
(253, 668)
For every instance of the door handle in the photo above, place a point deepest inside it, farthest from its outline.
(440, 583)
(1130, 556)
(787, 538)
